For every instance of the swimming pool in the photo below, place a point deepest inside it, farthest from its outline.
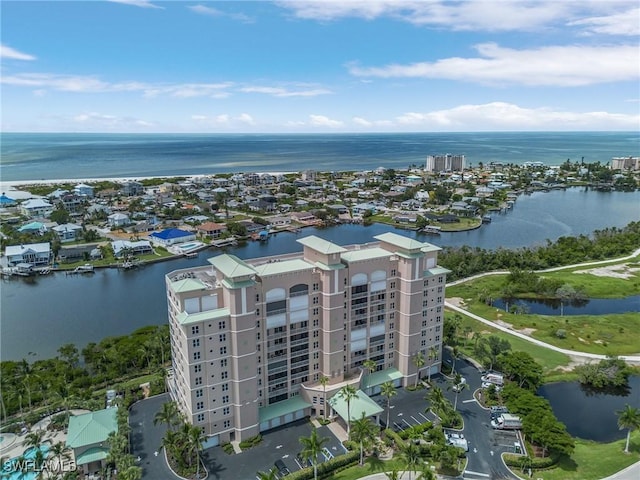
(189, 246)
(23, 468)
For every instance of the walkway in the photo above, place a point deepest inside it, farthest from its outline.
(582, 357)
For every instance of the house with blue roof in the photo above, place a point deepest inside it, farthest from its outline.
(171, 236)
(6, 201)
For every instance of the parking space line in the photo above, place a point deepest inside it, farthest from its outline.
(398, 426)
(416, 420)
(423, 416)
(407, 422)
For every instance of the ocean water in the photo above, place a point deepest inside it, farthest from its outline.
(48, 156)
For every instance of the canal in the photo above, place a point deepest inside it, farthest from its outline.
(40, 314)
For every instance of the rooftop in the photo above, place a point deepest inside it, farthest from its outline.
(231, 266)
(321, 245)
(91, 428)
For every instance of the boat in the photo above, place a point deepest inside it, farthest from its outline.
(486, 219)
(431, 230)
(44, 271)
(86, 268)
(191, 255)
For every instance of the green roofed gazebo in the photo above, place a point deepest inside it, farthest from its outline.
(361, 403)
(88, 435)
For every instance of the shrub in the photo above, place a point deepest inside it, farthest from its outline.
(561, 333)
(250, 442)
(415, 430)
(397, 439)
(228, 448)
(327, 469)
(513, 460)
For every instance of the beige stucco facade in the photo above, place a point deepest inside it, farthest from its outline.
(251, 339)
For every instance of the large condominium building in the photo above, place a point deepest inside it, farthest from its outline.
(445, 163)
(625, 163)
(263, 342)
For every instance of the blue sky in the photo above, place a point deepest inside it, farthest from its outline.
(319, 66)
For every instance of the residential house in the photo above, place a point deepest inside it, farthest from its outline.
(87, 437)
(171, 236)
(360, 209)
(338, 209)
(77, 253)
(83, 190)
(280, 221)
(303, 217)
(35, 254)
(132, 189)
(6, 201)
(68, 232)
(34, 228)
(119, 220)
(211, 229)
(36, 208)
(126, 247)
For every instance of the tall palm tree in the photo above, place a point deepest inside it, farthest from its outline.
(433, 356)
(311, 448)
(270, 475)
(61, 451)
(195, 440)
(457, 384)
(629, 418)
(130, 473)
(34, 439)
(411, 457)
(455, 355)
(419, 361)
(393, 475)
(436, 399)
(363, 432)
(388, 390)
(324, 380)
(168, 415)
(348, 393)
(370, 365)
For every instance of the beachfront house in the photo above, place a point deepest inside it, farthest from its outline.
(35, 254)
(171, 236)
(68, 232)
(36, 208)
(132, 189)
(83, 190)
(211, 229)
(123, 248)
(6, 201)
(87, 437)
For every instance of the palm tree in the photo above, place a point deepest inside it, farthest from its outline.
(411, 457)
(34, 439)
(370, 365)
(168, 415)
(419, 361)
(393, 475)
(436, 399)
(195, 439)
(61, 451)
(130, 473)
(455, 355)
(363, 431)
(311, 448)
(388, 390)
(323, 381)
(629, 418)
(348, 393)
(433, 356)
(270, 475)
(457, 385)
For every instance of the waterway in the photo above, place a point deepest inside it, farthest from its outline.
(588, 414)
(42, 313)
(552, 306)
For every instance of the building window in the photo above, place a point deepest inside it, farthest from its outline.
(257, 335)
(439, 299)
(195, 330)
(425, 283)
(315, 333)
(437, 338)
(223, 362)
(227, 424)
(197, 368)
(315, 300)
(199, 405)
(224, 375)
(225, 411)
(257, 312)
(439, 289)
(392, 326)
(440, 279)
(316, 287)
(424, 322)
(257, 297)
(198, 381)
(200, 417)
(315, 344)
(225, 387)
(222, 325)
(392, 284)
(393, 273)
(438, 309)
(199, 393)
(196, 342)
(223, 350)
(223, 337)
(392, 295)
(316, 311)
(392, 305)
(196, 355)
(392, 315)
(391, 346)
(423, 343)
(316, 322)
(225, 399)
(391, 336)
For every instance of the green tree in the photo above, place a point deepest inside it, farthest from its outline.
(168, 415)
(370, 366)
(629, 418)
(311, 448)
(363, 431)
(348, 393)
(522, 368)
(432, 356)
(419, 362)
(60, 216)
(269, 475)
(389, 391)
(324, 380)
(457, 384)
(410, 455)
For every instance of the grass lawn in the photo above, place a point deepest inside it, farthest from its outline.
(548, 359)
(593, 461)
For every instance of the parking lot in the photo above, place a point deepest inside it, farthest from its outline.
(407, 409)
(278, 444)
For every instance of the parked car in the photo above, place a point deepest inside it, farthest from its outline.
(283, 471)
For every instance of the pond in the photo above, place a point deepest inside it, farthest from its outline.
(552, 306)
(590, 414)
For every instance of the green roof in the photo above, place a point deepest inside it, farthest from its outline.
(185, 318)
(335, 266)
(279, 409)
(436, 271)
(321, 245)
(400, 241)
(93, 454)
(365, 254)
(91, 428)
(361, 403)
(285, 266)
(187, 285)
(231, 266)
(380, 377)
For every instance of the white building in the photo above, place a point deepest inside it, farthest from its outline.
(444, 163)
(35, 254)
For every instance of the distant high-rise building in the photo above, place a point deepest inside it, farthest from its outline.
(444, 163)
(251, 339)
(625, 163)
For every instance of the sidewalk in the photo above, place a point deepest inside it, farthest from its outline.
(632, 472)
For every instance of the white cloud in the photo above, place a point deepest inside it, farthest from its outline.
(224, 119)
(282, 92)
(214, 12)
(620, 23)
(246, 118)
(564, 66)
(138, 3)
(13, 54)
(95, 120)
(477, 15)
(363, 122)
(506, 116)
(323, 121)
